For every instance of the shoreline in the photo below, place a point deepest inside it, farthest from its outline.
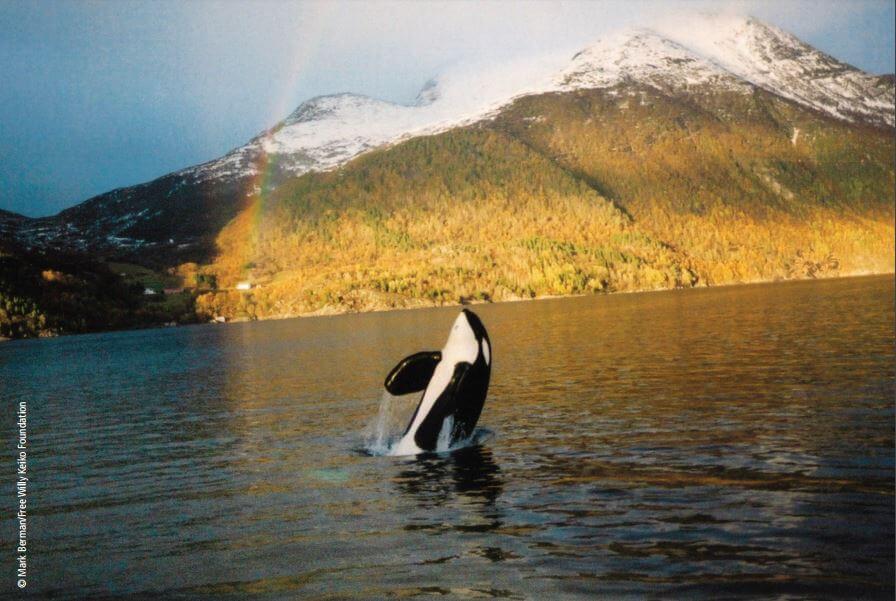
(331, 311)
(323, 312)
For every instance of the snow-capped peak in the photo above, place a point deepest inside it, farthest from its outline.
(777, 61)
(719, 52)
(641, 55)
(326, 131)
(320, 107)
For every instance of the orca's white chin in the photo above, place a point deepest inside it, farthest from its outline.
(462, 344)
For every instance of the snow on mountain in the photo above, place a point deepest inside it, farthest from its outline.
(777, 61)
(724, 52)
(327, 131)
(714, 53)
(642, 56)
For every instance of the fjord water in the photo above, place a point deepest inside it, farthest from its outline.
(728, 442)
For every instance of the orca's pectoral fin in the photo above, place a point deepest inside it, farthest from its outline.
(412, 373)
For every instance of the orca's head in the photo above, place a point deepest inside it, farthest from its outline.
(474, 323)
(467, 336)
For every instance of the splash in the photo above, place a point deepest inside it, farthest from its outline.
(443, 443)
(383, 433)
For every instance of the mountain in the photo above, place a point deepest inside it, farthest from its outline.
(176, 214)
(777, 61)
(712, 150)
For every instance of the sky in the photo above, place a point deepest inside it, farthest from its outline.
(100, 95)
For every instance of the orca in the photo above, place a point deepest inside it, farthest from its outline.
(454, 381)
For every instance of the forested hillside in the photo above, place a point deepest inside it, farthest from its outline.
(47, 294)
(618, 189)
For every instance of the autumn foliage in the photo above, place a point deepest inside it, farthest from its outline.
(584, 192)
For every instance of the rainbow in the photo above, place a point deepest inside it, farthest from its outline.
(311, 21)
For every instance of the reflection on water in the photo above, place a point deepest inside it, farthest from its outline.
(469, 474)
(733, 442)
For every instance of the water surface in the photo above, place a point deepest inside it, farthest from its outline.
(729, 442)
